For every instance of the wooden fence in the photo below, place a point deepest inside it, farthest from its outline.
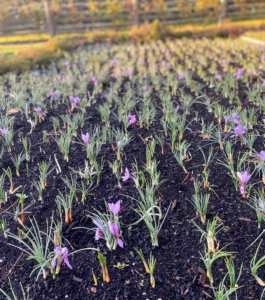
(120, 14)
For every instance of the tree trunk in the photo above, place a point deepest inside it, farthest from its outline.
(222, 14)
(49, 18)
(135, 12)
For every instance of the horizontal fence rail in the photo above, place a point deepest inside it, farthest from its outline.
(87, 15)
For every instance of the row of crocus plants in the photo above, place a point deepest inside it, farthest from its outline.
(170, 86)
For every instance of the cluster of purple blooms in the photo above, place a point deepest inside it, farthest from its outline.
(39, 112)
(112, 226)
(239, 130)
(74, 100)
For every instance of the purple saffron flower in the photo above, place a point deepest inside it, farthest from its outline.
(34, 73)
(242, 189)
(67, 64)
(99, 230)
(239, 131)
(235, 118)
(176, 110)
(180, 76)
(115, 208)
(52, 95)
(130, 70)
(61, 253)
(218, 77)
(39, 112)
(4, 131)
(144, 88)
(94, 81)
(114, 229)
(226, 118)
(132, 120)
(262, 155)
(119, 143)
(239, 73)
(85, 139)
(113, 63)
(243, 176)
(98, 234)
(75, 100)
(126, 176)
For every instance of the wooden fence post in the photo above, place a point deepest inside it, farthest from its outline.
(51, 26)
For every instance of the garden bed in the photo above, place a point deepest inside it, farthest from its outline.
(172, 88)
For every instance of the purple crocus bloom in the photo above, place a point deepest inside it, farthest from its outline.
(85, 139)
(130, 70)
(99, 230)
(132, 120)
(262, 155)
(126, 176)
(263, 82)
(115, 208)
(239, 131)
(39, 112)
(242, 189)
(226, 118)
(144, 88)
(180, 76)
(119, 143)
(113, 63)
(243, 176)
(239, 73)
(235, 118)
(218, 77)
(52, 95)
(61, 253)
(4, 131)
(34, 73)
(94, 81)
(67, 64)
(98, 234)
(114, 229)
(75, 100)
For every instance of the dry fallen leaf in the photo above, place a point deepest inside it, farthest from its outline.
(12, 111)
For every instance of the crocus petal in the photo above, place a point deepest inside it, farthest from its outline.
(66, 261)
(57, 250)
(241, 189)
(120, 242)
(262, 155)
(114, 229)
(115, 208)
(64, 251)
(98, 234)
(126, 175)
